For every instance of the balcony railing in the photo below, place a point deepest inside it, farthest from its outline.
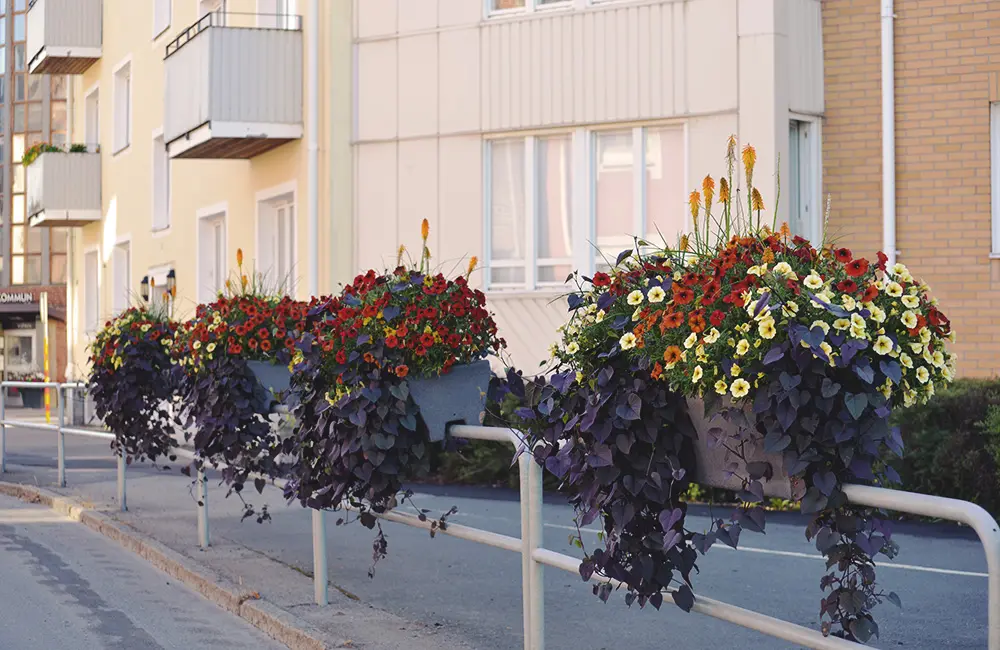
(64, 188)
(233, 86)
(63, 36)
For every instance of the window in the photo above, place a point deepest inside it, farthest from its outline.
(803, 211)
(211, 256)
(91, 291)
(123, 107)
(550, 211)
(58, 245)
(276, 241)
(995, 173)
(92, 118)
(21, 350)
(277, 14)
(206, 7)
(161, 184)
(161, 16)
(530, 5)
(121, 266)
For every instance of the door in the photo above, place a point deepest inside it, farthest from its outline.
(211, 257)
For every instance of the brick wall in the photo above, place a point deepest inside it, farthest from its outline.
(944, 85)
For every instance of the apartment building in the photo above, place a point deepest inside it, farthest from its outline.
(202, 127)
(540, 135)
(930, 190)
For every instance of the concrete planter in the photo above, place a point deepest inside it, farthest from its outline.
(273, 377)
(715, 462)
(458, 397)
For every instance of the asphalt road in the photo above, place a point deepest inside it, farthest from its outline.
(475, 590)
(65, 586)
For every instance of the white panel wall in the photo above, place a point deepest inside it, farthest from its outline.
(376, 205)
(63, 24)
(804, 29)
(378, 90)
(64, 181)
(418, 85)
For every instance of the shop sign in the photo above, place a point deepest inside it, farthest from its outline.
(16, 298)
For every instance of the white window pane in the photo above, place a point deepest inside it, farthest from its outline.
(161, 185)
(500, 5)
(666, 204)
(508, 275)
(90, 275)
(121, 263)
(555, 198)
(507, 200)
(554, 274)
(92, 120)
(614, 194)
(995, 154)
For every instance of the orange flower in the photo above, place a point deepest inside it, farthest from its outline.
(785, 231)
(239, 257)
(768, 256)
(723, 190)
(697, 323)
(708, 190)
(672, 355)
(758, 202)
(695, 202)
(657, 371)
(402, 371)
(472, 265)
(425, 229)
(673, 320)
(684, 243)
(749, 160)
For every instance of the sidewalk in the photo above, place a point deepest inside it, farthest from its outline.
(162, 508)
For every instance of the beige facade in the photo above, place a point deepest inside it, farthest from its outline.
(518, 129)
(206, 150)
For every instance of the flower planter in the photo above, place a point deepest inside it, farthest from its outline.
(715, 463)
(32, 398)
(273, 377)
(458, 397)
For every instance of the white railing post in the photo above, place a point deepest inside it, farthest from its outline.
(524, 463)
(537, 581)
(320, 575)
(202, 481)
(3, 429)
(61, 441)
(121, 480)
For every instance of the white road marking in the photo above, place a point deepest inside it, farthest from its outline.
(812, 556)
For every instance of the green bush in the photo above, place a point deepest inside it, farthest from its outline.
(953, 444)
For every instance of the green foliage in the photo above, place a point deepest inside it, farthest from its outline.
(953, 444)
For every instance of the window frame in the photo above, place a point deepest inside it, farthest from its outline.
(93, 91)
(158, 227)
(267, 202)
(218, 211)
(117, 109)
(814, 124)
(995, 178)
(92, 294)
(126, 294)
(159, 30)
(583, 200)
(531, 7)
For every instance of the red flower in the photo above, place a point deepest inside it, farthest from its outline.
(857, 267)
(420, 351)
(717, 317)
(252, 343)
(682, 296)
(427, 340)
(794, 286)
(369, 357)
(601, 279)
(883, 259)
(265, 345)
(847, 286)
(843, 255)
(391, 341)
(341, 356)
(871, 293)
(657, 371)
(454, 340)
(235, 348)
(263, 333)
(402, 371)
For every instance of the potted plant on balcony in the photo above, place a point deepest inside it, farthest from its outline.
(232, 360)
(33, 152)
(770, 345)
(131, 381)
(33, 398)
(384, 369)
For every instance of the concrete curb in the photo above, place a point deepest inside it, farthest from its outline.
(277, 623)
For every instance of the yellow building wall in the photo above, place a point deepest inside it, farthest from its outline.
(127, 179)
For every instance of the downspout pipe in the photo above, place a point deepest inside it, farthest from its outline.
(312, 129)
(888, 132)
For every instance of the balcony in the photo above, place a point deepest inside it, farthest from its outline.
(64, 189)
(233, 86)
(63, 36)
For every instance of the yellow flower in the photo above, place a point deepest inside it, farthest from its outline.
(886, 388)
(627, 341)
(690, 341)
(210, 347)
(579, 377)
(708, 189)
(858, 332)
(927, 356)
(735, 370)
(742, 347)
(723, 190)
(937, 359)
(145, 328)
(697, 374)
(721, 387)
(712, 336)
(894, 289)
(573, 347)
(196, 345)
(782, 268)
(883, 345)
(857, 321)
(878, 314)
(766, 328)
(813, 281)
(923, 375)
(637, 314)
(749, 159)
(425, 229)
(756, 270)
(909, 319)
(657, 294)
(683, 246)
(756, 200)
(826, 347)
(822, 325)
(635, 298)
(925, 335)
(848, 302)
(905, 360)
(912, 302)
(789, 309)
(917, 348)
(899, 269)
(840, 324)
(599, 316)
(694, 202)
(740, 388)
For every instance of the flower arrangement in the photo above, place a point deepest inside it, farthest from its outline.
(359, 429)
(130, 381)
(223, 398)
(800, 351)
(34, 151)
(30, 375)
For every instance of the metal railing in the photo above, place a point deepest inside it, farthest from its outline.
(241, 20)
(534, 556)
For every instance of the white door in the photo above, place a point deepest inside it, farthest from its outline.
(211, 257)
(121, 268)
(92, 121)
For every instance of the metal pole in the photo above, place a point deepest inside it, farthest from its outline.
(320, 574)
(537, 582)
(121, 480)
(523, 469)
(3, 429)
(62, 442)
(202, 508)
